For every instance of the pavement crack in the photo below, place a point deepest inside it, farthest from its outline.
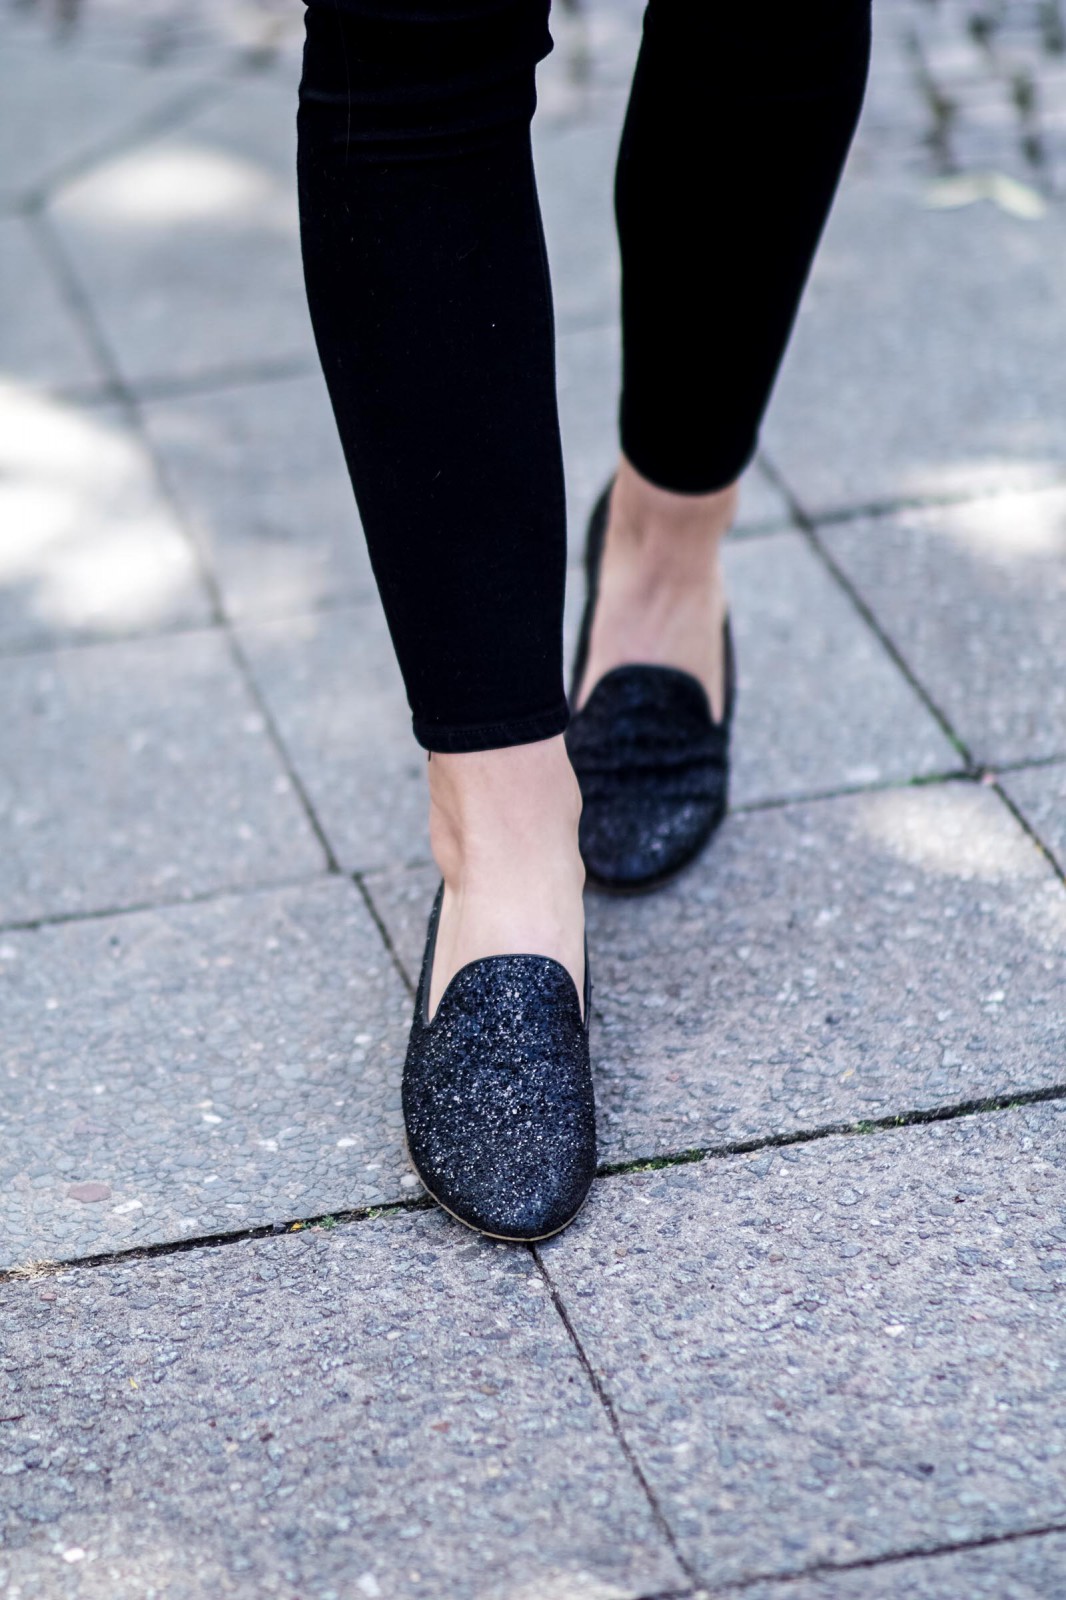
(423, 1202)
(212, 1241)
(131, 403)
(919, 1117)
(56, 919)
(891, 1557)
(386, 937)
(281, 749)
(808, 526)
(846, 790)
(599, 1389)
(1058, 867)
(162, 119)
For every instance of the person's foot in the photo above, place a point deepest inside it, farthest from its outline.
(503, 828)
(661, 597)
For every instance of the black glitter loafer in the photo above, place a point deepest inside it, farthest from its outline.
(497, 1094)
(652, 763)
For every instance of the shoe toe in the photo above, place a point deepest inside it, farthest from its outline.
(498, 1101)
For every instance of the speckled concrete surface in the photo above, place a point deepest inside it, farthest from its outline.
(112, 790)
(905, 380)
(206, 1067)
(334, 689)
(820, 703)
(170, 279)
(829, 1352)
(258, 471)
(378, 1411)
(853, 1345)
(974, 597)
(850, 959)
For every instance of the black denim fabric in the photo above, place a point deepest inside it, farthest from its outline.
(429, 291)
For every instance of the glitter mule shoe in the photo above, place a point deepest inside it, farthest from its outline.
(652, 763)
(497, 1094)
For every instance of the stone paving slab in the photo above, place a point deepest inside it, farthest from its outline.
(44, 344)
(90, 546)
(379, 1412)
(1040, 795)
(907, 380)
(1023, 1569)
(170, 238)
(838, 1350)
(575, 180)
(113, 787)
(259, 472)
(87, 111)
(149, 34)
(837, 961)
(820, 703)
(334, 689)
(974, 597)
(205, 1068)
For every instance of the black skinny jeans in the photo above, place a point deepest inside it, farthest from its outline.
(430, 298)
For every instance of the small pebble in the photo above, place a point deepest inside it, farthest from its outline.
(88, 1192)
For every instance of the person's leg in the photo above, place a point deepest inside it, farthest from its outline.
(429, 294)
(739, 122)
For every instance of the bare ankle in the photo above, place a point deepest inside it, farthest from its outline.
(489, 804)
(645, 514)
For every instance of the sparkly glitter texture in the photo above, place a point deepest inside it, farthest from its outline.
(497, 1094)
(652, 763)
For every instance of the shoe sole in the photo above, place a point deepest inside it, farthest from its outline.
(500, 1238)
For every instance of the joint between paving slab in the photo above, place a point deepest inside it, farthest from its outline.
(386, 937)
(607, 1404)
(1058, 867)
(200, 897)
(164, 118)
(673, 1594)
(81, 305)
(325, 604)
(214, 380)
(920, 1117)
(894, 505)
(327, 1221)
(281, 750)
(330, 1219)
(358, 875)
(892, 1557)
(809, 528)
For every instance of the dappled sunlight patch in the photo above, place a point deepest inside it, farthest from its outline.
(88, 543)
(988, 473)
(1012, 530)
(565, 1586)
(182, 182)
(965, 835)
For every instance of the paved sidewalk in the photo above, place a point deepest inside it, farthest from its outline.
(807, 1340)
